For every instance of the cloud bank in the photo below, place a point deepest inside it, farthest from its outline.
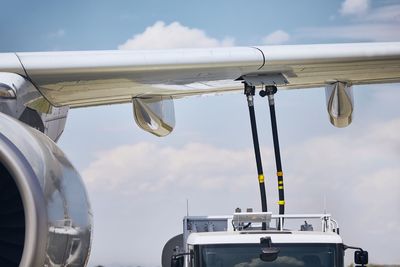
(350, 171)
(147, 168)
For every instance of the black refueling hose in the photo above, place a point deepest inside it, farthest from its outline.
(249, 91)
(270, 91)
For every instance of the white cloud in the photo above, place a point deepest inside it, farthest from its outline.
(174, 35)
(276, 37)
(354, 7)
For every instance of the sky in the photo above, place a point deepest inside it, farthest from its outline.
(138, 184)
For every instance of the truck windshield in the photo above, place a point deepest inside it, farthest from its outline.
(247, 255)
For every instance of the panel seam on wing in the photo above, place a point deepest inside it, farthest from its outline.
(262, 53)
(34, 84)
(22, 65)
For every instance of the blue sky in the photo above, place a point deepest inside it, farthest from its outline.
(105, 24)
(81, 25)
(131, 174)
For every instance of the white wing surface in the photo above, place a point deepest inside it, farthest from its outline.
(106, 77)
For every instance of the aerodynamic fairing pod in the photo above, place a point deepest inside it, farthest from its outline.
(340, 103)
(155, 115)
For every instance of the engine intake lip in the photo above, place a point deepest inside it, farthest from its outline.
(33, 202)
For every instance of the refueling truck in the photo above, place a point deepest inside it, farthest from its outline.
(239, 241)
(257, 239)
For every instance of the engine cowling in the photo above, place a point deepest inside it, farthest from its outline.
(45, 215)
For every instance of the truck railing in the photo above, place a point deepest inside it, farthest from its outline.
(327, 223)
(240, 221)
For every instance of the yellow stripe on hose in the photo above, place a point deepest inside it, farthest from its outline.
(279, 173)
(281, 202)
(261, 178)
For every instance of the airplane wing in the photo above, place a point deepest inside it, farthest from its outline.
(80, 79)
(105, 77)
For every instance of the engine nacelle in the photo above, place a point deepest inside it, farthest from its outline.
(45, 215)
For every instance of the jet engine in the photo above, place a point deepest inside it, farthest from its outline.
(45, 215)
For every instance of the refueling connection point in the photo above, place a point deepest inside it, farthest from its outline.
(249, 91)
(269, 91)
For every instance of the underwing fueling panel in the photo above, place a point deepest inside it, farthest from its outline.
(340, 103)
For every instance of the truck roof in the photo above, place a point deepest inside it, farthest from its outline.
(251, 237)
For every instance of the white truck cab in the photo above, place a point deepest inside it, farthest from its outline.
(239, 241)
